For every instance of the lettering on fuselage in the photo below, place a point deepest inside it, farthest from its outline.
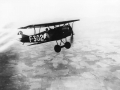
(38, 37)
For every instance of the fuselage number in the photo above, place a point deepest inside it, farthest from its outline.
(38, 38)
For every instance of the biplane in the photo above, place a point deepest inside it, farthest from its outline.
(61, 31)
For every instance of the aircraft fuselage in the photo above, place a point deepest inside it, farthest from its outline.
(51, 35)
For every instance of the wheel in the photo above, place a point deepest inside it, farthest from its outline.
(67, 45)
(57, 48)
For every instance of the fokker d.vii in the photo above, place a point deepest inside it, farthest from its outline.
(61, 30)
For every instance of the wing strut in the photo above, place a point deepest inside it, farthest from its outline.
(39, 29)
(34, 30)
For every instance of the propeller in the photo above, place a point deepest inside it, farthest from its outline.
(72, 33)
(72, 38)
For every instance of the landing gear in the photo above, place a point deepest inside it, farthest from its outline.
(67, 45)
(57, 48)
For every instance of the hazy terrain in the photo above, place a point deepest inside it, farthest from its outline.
(92, 63)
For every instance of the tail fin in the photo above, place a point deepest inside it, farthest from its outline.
(20, 33)
(22, 37)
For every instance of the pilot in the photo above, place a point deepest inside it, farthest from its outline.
(47, 29)
(47, 37)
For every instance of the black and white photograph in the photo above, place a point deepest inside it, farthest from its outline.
(59, 44)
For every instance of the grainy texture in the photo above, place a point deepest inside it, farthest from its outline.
(89, 64)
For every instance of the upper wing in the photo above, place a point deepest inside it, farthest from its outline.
(48, 24)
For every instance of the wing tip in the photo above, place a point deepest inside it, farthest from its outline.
(77, 20)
